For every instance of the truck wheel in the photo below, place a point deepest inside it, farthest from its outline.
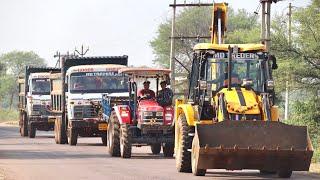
(59, 133)
(183, 156)
(23, 124)
(156, 148)
(195, 158)
(125, 142)
(284, 173)
(32, 131)
(73, 136)
(104, 138)
(168, 149)
(114, 136)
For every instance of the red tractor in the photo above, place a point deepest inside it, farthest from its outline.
(139, 120)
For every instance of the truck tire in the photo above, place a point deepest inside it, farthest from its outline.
(59, 133)
(125, 142)
(183, 156)
(284, 173)
(156, 148)
(73, 136)
(23, 124)
(104, 138)
(113, 131)
(32, 130)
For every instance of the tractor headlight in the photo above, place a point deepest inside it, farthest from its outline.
(159, 113)
(147, 113)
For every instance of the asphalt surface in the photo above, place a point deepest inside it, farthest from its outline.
(40, 158)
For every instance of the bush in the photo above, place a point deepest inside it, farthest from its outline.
(307, 114)
(9, 115)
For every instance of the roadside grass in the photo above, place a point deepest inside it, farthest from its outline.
(9, 115)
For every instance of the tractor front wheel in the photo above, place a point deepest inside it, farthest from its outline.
(125, 142)
(156, 148)
(168, 149)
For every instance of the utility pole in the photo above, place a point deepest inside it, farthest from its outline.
(82, 52)
(286, 105)
(172, 48)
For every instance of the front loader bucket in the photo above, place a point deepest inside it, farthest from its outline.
(269, 146)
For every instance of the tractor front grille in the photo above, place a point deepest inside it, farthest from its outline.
(153, 119)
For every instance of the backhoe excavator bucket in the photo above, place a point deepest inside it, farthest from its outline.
(236, 145)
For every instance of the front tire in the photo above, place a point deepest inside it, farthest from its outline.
(114, 136)
(73, 136)
(32, 130)
(125, 142)
(183, 156)
(155, 148)
(59, 132)
(23, 124)
(195, 158)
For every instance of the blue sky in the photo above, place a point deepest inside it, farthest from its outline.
(108, 27)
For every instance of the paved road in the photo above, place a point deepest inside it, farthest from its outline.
(41, 158)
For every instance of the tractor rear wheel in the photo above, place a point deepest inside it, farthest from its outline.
(114, 136)
(168, 149)
(23, 124)
(73, 136)
(156, 148)
(284, 173)
(183, 156)
(125, 142)
(32, 130)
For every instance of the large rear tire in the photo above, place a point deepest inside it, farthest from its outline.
(113, 143)
(125, 142)
(183, 156)
(32, 130)
(23, 124)
(284, 173)
(155, 148)
(73, 136)
(195, 158)
(168, 149)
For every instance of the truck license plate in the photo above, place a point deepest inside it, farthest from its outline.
(103, 127)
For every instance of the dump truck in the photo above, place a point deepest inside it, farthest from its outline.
(135, 120)
(76, 94)
(34, 100)
(229, 119)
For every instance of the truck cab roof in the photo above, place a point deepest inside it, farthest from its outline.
(95, 68)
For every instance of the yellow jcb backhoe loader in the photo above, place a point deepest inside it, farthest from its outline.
(229, 120)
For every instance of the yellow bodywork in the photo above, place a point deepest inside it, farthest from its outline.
(224, 47)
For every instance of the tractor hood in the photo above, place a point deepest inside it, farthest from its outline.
(150, 105)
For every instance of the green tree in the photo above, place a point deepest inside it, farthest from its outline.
(13, 65)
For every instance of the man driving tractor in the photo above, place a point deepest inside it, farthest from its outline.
(146, 92)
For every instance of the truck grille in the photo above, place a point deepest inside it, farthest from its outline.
(85, 112)
(38, 109)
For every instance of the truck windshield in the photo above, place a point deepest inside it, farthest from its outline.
(41, 86)
(242, 69)
(98, 82)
